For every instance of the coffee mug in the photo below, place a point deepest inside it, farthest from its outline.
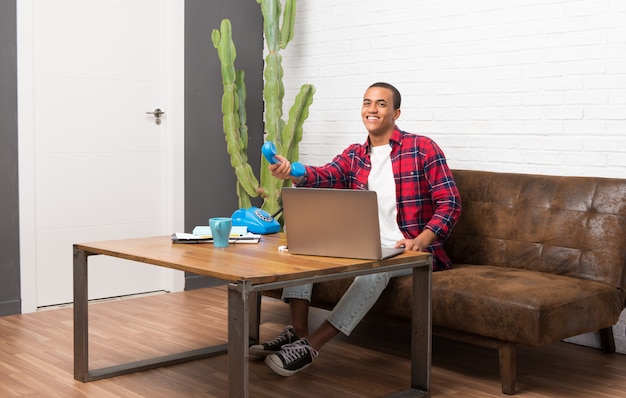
(220, 230)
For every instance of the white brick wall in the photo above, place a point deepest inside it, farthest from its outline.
(533, 86)
(529, 86)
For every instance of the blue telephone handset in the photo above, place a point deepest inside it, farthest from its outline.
(269, 151)
(258, 221)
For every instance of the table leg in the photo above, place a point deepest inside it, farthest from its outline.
(421, 335)
(81, 336)
(81, 332)
(238, 338)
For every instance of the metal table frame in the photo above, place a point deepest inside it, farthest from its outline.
(244, 305)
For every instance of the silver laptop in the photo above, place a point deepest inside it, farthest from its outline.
(334, 223)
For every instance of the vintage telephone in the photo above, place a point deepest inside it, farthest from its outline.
(258, 221)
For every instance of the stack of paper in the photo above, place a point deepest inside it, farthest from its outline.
(202, 234)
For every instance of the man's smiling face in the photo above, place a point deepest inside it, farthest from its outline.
(377, 112)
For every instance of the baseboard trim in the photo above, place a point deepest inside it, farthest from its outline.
(10, 307)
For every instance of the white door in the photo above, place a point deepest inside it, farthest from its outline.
(93, 164)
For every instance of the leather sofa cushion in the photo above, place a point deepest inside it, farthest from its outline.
(509, 304)
(522, 306)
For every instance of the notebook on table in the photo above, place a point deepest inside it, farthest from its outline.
(334, 223)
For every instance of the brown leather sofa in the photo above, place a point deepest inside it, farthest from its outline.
(537, 259)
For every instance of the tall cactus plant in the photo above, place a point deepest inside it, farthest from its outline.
(285, 134)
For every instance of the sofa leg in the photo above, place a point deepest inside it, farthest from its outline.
(507, 353)
(607, 340)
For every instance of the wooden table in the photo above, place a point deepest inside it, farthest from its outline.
(249, 269)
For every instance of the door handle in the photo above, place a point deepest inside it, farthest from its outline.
(157, 115)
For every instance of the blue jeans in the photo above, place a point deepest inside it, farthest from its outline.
(355, 303)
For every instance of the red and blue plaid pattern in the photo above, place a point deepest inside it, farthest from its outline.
(426, 194)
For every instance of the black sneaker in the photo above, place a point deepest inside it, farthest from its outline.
(292, 358)
(287, 336)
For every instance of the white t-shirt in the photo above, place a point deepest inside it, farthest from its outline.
(381, 180)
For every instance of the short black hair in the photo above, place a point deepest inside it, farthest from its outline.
(397, 98)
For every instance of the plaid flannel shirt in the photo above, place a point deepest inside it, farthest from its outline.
(426, 194)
